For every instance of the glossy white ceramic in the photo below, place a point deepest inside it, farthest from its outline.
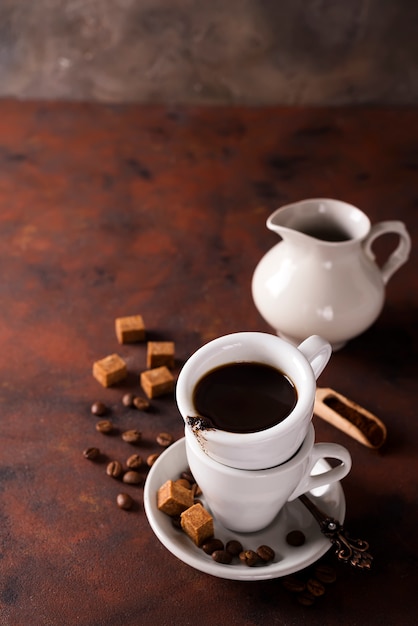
(249, 500)
(264, 448)
(294, 516)
(308, 285)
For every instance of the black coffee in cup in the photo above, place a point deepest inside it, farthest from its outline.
(244, 397)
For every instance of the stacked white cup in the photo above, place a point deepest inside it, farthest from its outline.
(247, 477)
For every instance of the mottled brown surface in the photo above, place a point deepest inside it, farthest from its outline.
(112, 211)
(210, 52)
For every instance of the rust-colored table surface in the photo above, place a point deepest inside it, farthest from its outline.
(107, 211)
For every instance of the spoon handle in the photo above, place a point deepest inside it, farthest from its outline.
(348, 550)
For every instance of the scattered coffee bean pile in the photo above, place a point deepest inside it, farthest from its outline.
(156, 380)
(311, 583)
(230, 551)
(131, 471)
(307, 585)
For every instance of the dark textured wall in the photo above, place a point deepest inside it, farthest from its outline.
(211, 51)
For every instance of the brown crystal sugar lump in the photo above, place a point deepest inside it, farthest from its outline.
(157, 381)
(110, 370)
(197, 523)
(130, 329)
(173, 499)
(160, 353)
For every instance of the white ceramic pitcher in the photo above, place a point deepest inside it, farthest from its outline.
(322, 277)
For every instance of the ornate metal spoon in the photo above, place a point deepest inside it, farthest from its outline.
(348, 550)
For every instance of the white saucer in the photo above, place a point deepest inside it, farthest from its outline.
(294, 516)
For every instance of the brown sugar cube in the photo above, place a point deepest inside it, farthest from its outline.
(197, 523)
(157, 381)
(173, 498)
(160, 353)
(110, 370)
(130, 329)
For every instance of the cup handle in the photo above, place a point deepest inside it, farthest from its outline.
(399, 256)
(332, 475)
(317, 351)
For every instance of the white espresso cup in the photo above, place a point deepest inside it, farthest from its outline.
(271, 446)
(248, 500)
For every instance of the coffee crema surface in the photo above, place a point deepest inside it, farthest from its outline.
(244, 397)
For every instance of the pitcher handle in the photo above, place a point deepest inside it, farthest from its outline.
(399, 256)
(317, 351)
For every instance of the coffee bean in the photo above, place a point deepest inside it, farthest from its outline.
(151, 459)
(134, 461)
(141, 404)
(91, 453)
(132, 436)
(265, 553)
(306, 598)
(295, 538)
(176, 522)
(315, 587)
(98, 408)
(222, 556)
(104, 426)
(128, 399)
(196, 490)
(124, 501)
(188, 476)
(114, 469)
(183, 482)
(212, 545)
(234, 547)
(249, 557)
(132, 478)
(165, 439)
(293, 584)
(325, 573)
